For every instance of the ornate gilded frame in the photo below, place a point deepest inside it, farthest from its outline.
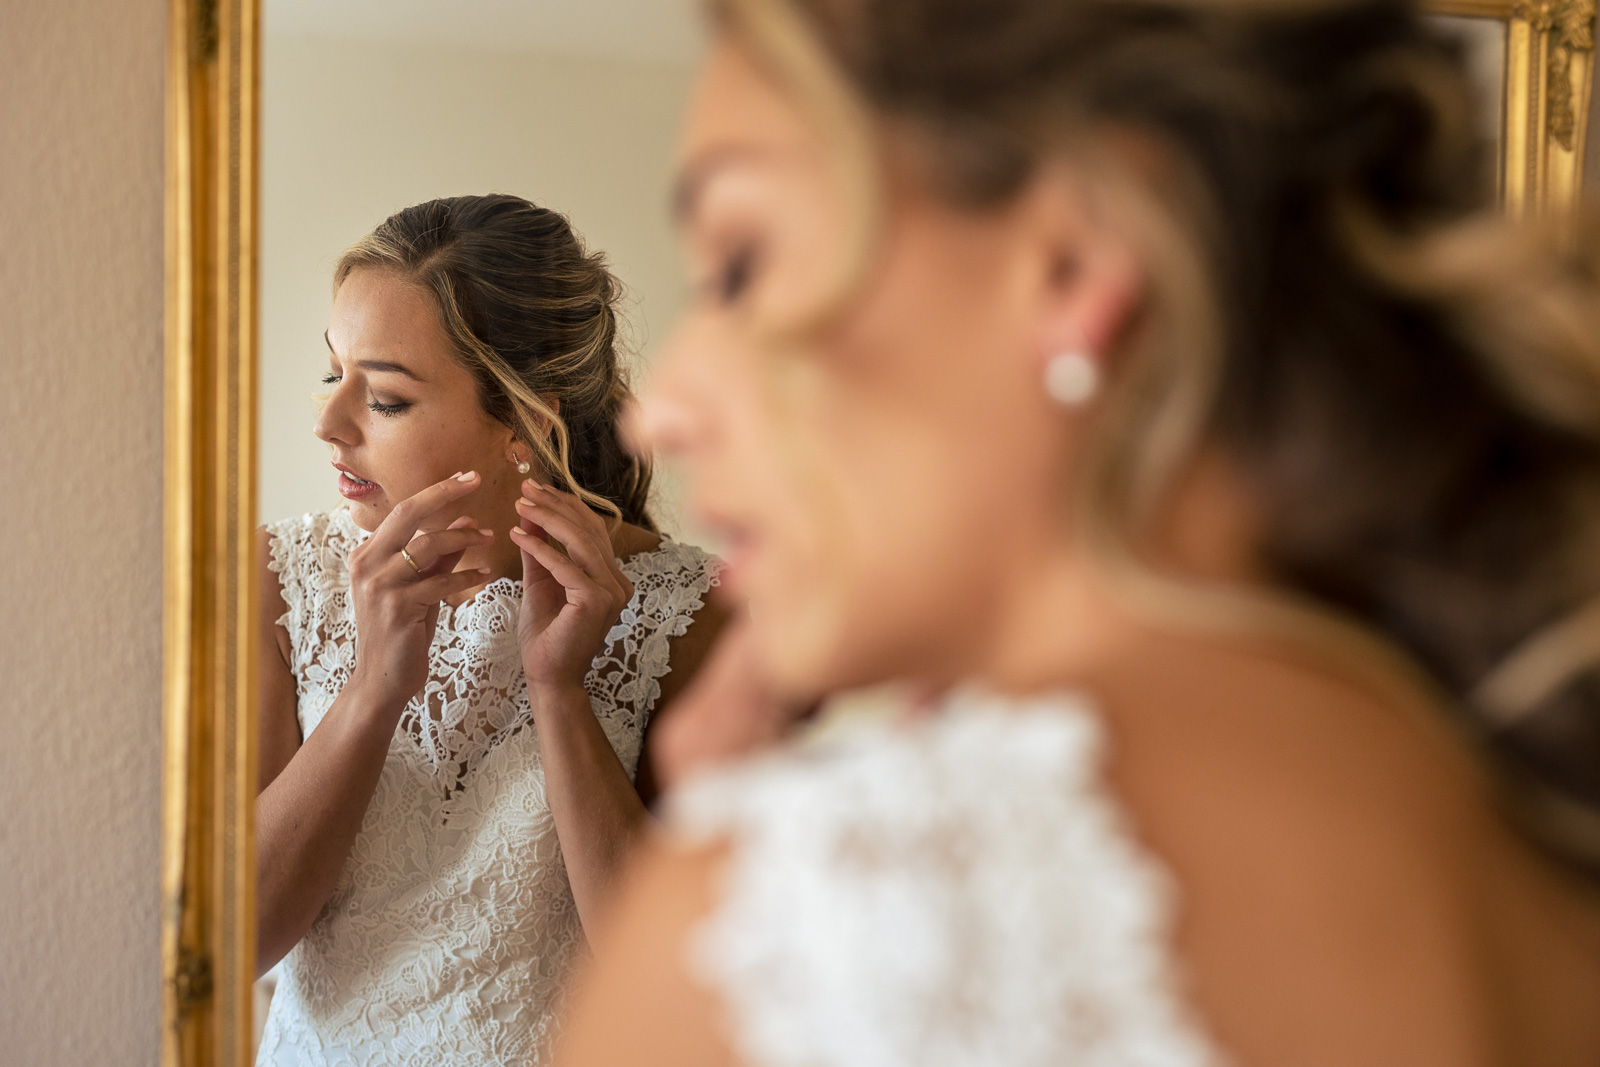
(1549, 72)
(208, 876)
(208, 937)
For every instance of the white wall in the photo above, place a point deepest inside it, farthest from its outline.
(81, 85)
(354, 130)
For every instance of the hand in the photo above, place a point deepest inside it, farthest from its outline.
(396, 607)
(570, 600)
(727, 713)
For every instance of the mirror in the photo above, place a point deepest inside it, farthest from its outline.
(364, 108)
(1534, 64)
(367, 109)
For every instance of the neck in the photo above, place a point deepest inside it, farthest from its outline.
(1063, 618)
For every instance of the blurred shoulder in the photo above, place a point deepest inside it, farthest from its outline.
(1324, 836)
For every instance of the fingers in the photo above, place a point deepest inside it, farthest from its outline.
(581, 531)
(562, 568)
(433, 589)
(439, 552)
(401, 524)
(578, 542)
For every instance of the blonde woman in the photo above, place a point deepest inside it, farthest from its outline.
(1155, 378)
(462, 663)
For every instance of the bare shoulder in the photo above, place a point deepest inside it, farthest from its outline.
(639, 972)
(1325, 841)
(279, 732)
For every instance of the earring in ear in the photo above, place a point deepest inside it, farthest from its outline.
(523, 466)
(1071, 378)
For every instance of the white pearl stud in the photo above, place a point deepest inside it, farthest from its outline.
(1071, 378)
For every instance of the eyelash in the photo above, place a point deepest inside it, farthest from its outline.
(386, 410)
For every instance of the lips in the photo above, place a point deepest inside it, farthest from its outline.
(352, 486)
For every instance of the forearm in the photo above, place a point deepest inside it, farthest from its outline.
(308, 818)
(598, 814)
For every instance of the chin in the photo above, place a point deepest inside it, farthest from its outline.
(366, 515)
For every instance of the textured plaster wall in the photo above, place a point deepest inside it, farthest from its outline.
(80, 538)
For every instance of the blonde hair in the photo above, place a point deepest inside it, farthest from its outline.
(1409, 383)
(532, 315)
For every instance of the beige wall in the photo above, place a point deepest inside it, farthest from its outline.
(80, 545)
(353, 131)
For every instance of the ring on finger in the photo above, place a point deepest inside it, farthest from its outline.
(407, 557)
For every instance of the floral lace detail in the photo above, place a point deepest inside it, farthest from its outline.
(451, 928)
(958, 892)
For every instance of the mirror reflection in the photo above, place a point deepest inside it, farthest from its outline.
(476, 605)
(1182, 445)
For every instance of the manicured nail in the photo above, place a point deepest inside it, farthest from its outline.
(467, 477)
(487, 533)
(483, 570)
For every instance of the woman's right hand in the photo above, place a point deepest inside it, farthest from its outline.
(397, 606)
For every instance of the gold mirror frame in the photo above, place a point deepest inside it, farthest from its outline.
(1549, 72)
(208, 936)
(208, 861)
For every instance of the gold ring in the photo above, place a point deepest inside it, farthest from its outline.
(407, 556)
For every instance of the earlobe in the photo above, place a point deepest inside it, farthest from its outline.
(1091, 291)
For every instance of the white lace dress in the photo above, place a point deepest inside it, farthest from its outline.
(452, 926)
(958, 892)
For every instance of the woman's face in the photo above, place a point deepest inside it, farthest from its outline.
(888, 484)
(401, 412)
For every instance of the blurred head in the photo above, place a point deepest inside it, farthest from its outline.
(1268, 225)
(474, 333)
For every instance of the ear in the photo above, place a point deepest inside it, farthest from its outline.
(553, 404)
(1090, 279)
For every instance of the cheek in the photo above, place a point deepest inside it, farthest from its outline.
(879, 561)
(414, 450)
(915, 436)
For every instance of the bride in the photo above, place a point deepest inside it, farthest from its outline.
(1154, 380)
(462, 663)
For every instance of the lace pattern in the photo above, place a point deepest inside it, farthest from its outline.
(958, 892)
(451, 928)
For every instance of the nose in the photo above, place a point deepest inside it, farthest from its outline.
(333, 424)
(659, 422)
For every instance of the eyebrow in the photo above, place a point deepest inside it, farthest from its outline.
(379, 365)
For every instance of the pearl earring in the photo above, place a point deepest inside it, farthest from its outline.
(523, 466)
(1071, 378)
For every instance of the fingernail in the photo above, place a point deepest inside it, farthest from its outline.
(487, 533)
(483, 570)
(467, 477)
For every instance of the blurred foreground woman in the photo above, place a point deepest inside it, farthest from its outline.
(1155, 382)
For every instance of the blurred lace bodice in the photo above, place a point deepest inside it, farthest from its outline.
(452, 926)
(961, 891)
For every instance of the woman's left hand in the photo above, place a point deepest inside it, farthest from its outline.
(570, 600)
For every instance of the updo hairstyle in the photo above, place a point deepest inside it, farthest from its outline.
(1409, 383)
(532, 316)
